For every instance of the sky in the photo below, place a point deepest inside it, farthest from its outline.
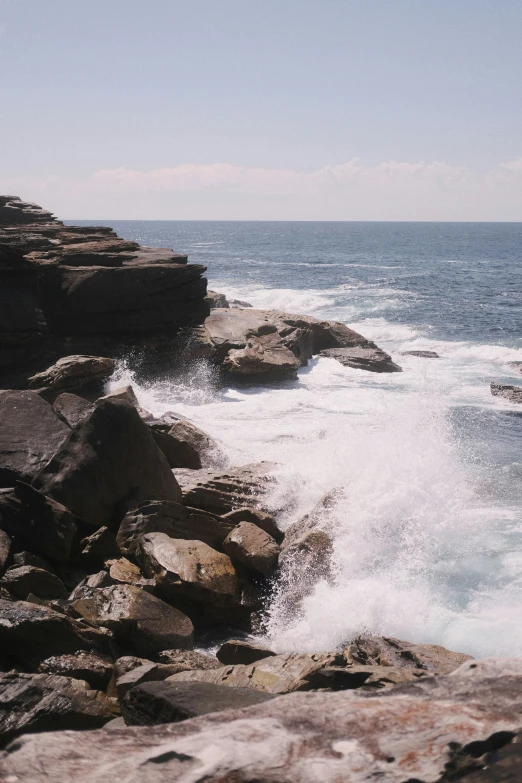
(263, 109)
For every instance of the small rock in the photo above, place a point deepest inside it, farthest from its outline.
(185, 445)
(214, 299)
(386, 651)
(122, 571)
(22, 580)
(100, 546)
(126, 394)
(517, 366)
(250, 546)
(147, 672)
(236, 651)
(422, 354)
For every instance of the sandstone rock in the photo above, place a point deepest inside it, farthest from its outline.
(5, 548)
(262, 359)
(109, 460)
(510, 393)
(222, 491)
(422, 354)
(30, 559)
(154, 703)
(23, 580)
(464, 726)
(37, 522)
(256, 517)
(274, 674)
(184, 444)
(44, 702)
(174, 520)
(30, 434)
(244, 652)
(215, 299)
(71, 373)
(95, 669)
(188, 659)
(72, 409)
(251, 547)
(362, 358)
(140, 621)
(386, 651)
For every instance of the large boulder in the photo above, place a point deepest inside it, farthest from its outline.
(45, 702)
(222, 491)
(509, 393)
(37, 523)
(173, 519)
(108, 462)
(153, 703)
(465, 726)
(30, 434)
(252, 548)
(71, 373)
(138, 620)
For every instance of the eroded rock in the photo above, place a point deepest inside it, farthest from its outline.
(222, 491)
(386, 651)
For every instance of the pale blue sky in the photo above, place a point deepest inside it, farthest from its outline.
(341, 109)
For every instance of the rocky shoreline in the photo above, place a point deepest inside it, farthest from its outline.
(125, 540)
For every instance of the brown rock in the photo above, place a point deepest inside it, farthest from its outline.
(244, 652)
(99, 546)
(23, 580)
(386, 651)
(251, 547)
(126, 394)
(188, 659)
(147, 672)
(363, 358)
(184, 444)
(256, 517)
(122, 571)
(71, 408)
(222, 491)
(95, 669)
(72, 373)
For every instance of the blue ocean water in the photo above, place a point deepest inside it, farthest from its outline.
(427, 464)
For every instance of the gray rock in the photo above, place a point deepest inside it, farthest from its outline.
(433, 730)
(23, 580)
(222, 491)
(517, 366)
(363, 358)
(30, 434)
(214, 300)
(170, 702)
(72, 373)
(252, 548)
(239, 651)
(71, 408)
(108, 461)
(95, 669)
(139, 620)
(510, 393)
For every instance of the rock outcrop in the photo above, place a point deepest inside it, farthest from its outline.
(220, 492)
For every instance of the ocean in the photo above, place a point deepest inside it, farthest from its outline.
(427, 464)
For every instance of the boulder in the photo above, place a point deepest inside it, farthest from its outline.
(362, 358)
(138, 620)
(367, 678)
(71, 408)
(5, 549)
(45, 702)
(108, 461)
(422, 354)
(509, 393)
(153, 703)
(174, 520)
(239, 651)
(126, 394)
(252, 548)
(147, 672)
(262, 359)
(184, 444)
(92, 667)
(72, 373)
(274, 674)
(37, 523)
(31, 633)
(386, 651)
(30, 434)
(464, 726)
(23, 580)
(99, 546)
(222, 491)
(256, 517)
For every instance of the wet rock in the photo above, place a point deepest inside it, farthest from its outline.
(174, 520)
(44, 702)
(23, 580)
(5, 548)
(510, 393)
(362, 358)
(71, 408)
(184, 444)
(422, 354)
(37, 523)
(95, 669)
(214, 299)
(251, 547)
(256, 517)
(72, 373)
(244, 652)
(222, 491)
(188, 659)
(274, 674)
(167, 702)
(387, 651)
(109, 460)
(30, 434)
(138, 620)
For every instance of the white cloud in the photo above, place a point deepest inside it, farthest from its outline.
(390, 190)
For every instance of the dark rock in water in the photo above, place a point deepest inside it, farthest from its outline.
(422, 354)
(510, 393)
(222, 491)
(464, 726)
(265, 521)
(37, 523)
(108, 461)
(89, 666)
(245, 652)
(23, 580)
(174, 520)
(5, 549)
(71, 408)
(30, 434)
(386, 651)
(214, 300)
(140, 621)
(44, 702)
(360, 358)
(252, 548)
(515, 366)
(154, 703)
(72, 373)
(188, 659)
(184, 444)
